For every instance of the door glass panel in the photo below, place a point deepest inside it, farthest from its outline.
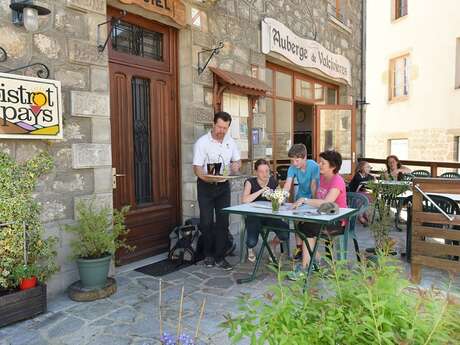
(266, 149)
(283, 84)
(141, 139)
(283, 120)
(335, 134)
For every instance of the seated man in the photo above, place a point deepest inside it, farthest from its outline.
(254, 187)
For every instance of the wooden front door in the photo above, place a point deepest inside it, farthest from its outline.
(145, 132)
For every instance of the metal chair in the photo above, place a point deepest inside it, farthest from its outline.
(450, 175)
(406, 177)
(281, 171)
(284, 245)
(360, 202)
(421, 173)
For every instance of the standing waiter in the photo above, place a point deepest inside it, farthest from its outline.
(214, 194)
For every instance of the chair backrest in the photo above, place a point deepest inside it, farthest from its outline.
(450, 175)
(446, 204)
(407, 177)
(421, 173)
(359, 201)
(282, 171)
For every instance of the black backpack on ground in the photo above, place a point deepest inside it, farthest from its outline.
(183, 244)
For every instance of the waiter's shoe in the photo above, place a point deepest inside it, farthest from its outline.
(209, 261)
(224, 265)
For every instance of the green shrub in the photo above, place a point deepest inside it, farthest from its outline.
(100, 231)
(359, 306)
(17, 206)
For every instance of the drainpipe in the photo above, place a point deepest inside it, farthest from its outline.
(363, 76)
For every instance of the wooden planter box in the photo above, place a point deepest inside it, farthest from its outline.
(22, 305)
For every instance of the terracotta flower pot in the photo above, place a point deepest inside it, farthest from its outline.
(28, 283)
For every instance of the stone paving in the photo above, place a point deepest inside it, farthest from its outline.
(131, 315)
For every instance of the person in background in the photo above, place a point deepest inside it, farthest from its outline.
(306, 171)
(356, 185)
(395, 170)
(331, 189)
(214, 194)
(254, 187)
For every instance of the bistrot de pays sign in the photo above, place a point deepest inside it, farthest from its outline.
(30, 108)
(276, 37)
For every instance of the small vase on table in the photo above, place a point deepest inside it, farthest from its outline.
(275, 205)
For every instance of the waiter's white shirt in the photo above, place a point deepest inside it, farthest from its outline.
(207, 150)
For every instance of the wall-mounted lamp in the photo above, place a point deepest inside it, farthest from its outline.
(361, 103)
(26, 12)
(214, 51)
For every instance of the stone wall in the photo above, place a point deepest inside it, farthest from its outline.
(433, 144)
(66, 43)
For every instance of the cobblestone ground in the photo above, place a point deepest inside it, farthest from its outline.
(131, 315)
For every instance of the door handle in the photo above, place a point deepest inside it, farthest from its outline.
(114, 177)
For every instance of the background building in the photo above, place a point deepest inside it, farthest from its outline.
(413, 80)
(132, 113)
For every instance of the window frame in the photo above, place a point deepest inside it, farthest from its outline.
(396, 6)
(272, 97)
(392, 97)
(457, 64)
(399, 155)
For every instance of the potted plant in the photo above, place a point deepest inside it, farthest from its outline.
(22, 239)
(384, 196)
(26, 276)
(99, 232)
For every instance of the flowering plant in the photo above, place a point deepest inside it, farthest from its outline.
(277, 197)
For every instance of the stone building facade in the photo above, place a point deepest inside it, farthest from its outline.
(67, 43)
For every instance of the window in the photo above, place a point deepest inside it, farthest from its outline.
(132, 39)
(457, 149)
(255, 71)
(399, 78)
(336, 9)
(399, 148)
(198, 19)
(238, 106)
(399, 9)
(457, 65)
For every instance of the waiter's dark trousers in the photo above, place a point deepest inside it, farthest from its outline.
(212, 197)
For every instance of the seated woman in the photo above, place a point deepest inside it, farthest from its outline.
(331, 189)
(395, 170)
(254, 187)
(357, 185)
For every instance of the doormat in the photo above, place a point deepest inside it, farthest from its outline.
(162, 268)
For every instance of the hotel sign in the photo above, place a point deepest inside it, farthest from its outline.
(276, 37)
(30, 108)
(173, 9)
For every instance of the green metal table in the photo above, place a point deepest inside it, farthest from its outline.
(304, 213)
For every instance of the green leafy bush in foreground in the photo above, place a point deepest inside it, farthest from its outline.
(360, 305)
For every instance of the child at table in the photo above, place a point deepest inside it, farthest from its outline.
(357, 185)
(306, 172)
(331, 189)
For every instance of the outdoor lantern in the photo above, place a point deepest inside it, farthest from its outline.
(26, 12)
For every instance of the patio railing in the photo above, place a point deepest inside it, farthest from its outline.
(434, 168)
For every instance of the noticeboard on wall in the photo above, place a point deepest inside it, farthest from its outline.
(30, 108)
